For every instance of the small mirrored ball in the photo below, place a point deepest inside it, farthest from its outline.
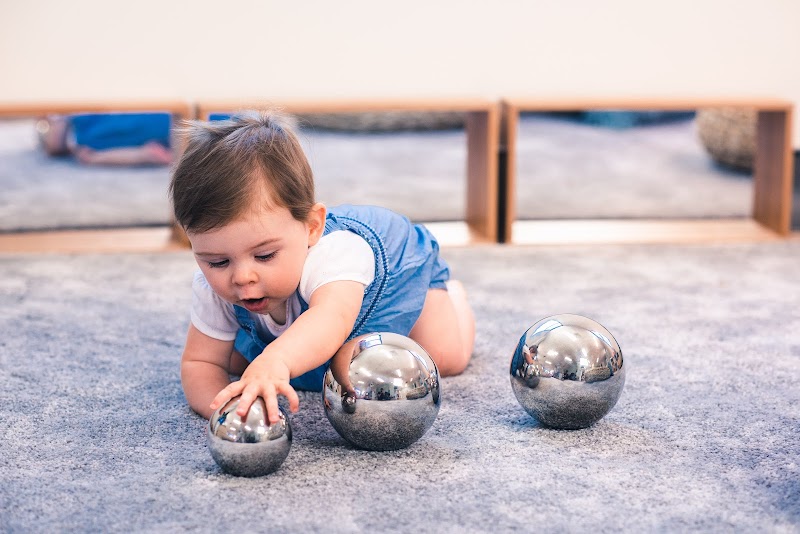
(248, 446)
(392, 397)
(567, 371)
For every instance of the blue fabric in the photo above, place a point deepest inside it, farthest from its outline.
(219, 116)
(250, 344)
(407, 265)
(101, 131)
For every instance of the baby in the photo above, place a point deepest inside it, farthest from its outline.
(108, 138)
(287, 286)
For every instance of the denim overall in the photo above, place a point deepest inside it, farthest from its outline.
(115, 130)
(407, 264)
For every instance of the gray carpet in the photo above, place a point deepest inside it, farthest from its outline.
(98, 438)
(566, 170)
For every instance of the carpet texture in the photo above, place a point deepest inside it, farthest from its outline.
(98, 437)
(567, 169)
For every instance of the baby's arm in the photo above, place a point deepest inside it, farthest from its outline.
(205, 368)
(310, 341)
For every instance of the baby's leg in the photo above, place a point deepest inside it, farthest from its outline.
(147, 154)
(446, 328)
(238, 363)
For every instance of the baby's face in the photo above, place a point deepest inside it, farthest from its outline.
(256, 261)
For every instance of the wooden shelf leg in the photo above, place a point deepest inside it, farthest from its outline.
(772, 195)
(482, 191)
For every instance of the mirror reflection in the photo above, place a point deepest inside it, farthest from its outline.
(635, 165)
(412, 163)
(107, 170)
(84, 171)
(112, 169)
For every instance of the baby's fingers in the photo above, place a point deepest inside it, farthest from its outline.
(288, 391)
(233, 389)
(271, 400)
(270, 396)
(249, 396)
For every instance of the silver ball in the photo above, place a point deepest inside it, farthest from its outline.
(248, 447)
(567, 371)
(392, 398)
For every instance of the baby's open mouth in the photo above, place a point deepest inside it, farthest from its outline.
(255, 305)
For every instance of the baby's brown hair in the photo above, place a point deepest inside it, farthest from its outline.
(227, 163)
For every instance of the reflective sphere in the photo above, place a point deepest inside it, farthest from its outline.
(248, 447)
(392, 397)
(567, 371)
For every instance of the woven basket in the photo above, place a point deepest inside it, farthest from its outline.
(383, 121)
(729, 135)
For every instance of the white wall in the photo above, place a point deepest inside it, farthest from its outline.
(193, 49)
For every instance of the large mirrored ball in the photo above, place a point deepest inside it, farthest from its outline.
(389, 396)
(248, 446)
(567, 371)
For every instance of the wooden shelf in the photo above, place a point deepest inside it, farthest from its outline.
(773, 172)
(179, 108)
(641, 104)
(206, 107)
(610, 231)
(490, 214)
(112, 241)
(449, 234)
(162, 239)
(482, 129)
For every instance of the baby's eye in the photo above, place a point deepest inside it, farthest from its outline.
(217, 264)
(266, 257)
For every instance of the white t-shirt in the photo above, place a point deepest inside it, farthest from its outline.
(340, 255)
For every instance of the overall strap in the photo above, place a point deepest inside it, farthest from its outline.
(378, 286)
(247, 324)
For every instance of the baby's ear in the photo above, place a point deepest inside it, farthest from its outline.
(316, 223)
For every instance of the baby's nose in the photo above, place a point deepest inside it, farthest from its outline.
(244, 275)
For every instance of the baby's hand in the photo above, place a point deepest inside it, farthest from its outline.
(266, 378)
